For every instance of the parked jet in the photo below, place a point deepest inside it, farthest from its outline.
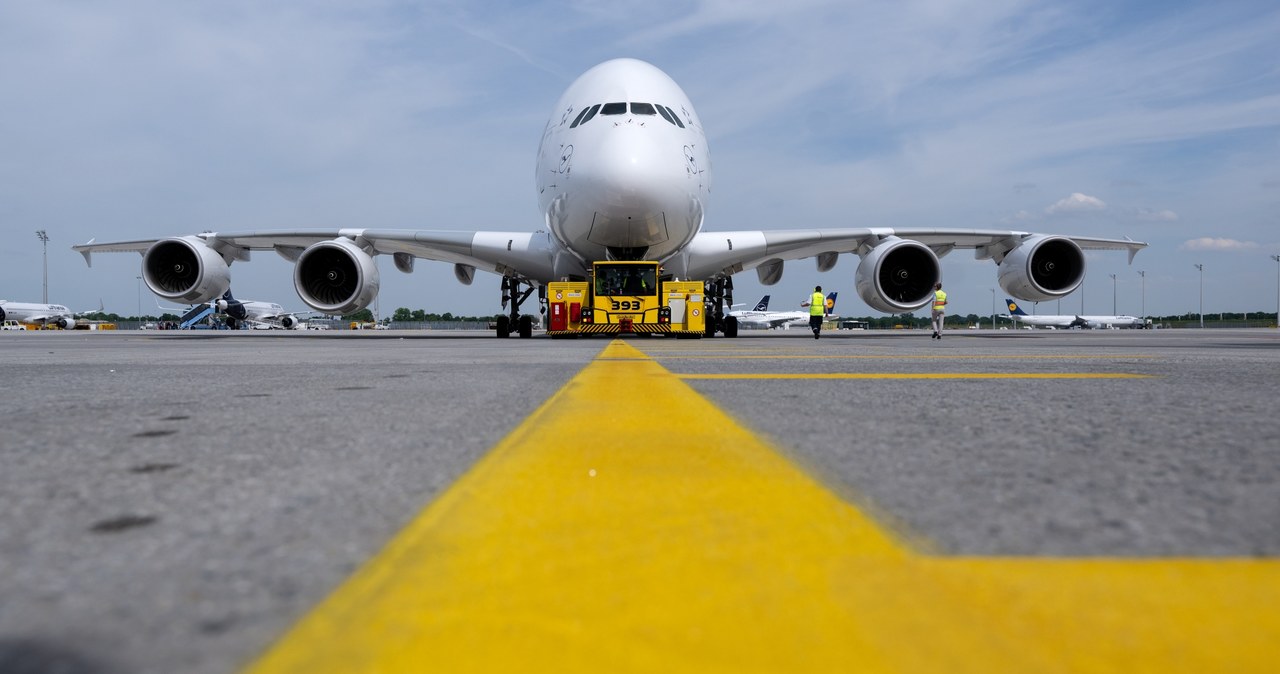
(1072, 320)
(744, 315)
(623, 172)
(786, 319)
(251, 312)
(255, 313)
(38, 314)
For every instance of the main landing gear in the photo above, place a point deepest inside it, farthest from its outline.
(719, 293)
(514, 295)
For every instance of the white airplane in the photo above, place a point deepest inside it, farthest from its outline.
(255, 313)
(623, 172)
(743, 315)
(786, 319)
(1072, 320)
(248, 312)
(38, 314)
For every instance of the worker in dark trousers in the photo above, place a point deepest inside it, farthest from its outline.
(817, 307)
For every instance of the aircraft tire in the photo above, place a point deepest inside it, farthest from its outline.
(730, 326)
(526, 327)
(504, 327)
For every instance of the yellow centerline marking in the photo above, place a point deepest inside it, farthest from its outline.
(919, 375)
(894, 356)
(630, 525)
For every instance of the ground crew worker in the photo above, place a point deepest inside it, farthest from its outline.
(816, 310)
(939, 309)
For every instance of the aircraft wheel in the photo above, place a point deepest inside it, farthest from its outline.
(504, 327)
(526, 327)
(730, 326)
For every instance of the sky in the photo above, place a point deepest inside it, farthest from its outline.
(145, 119)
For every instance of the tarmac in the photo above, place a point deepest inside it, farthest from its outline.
(398, 501)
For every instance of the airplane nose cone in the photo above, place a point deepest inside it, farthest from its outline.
(632, 174)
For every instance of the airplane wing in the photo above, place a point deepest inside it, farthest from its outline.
(529, 255)
(715, 253)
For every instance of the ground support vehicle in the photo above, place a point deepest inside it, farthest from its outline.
(626, 298)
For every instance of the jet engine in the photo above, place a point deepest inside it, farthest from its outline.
(185, 269)
(336, 277)
(1042, 268)
(66, 323)
(897, 275)
(289, 322)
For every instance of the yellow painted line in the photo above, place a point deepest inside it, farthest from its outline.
(919, 375)
(629, 525)
(892, 356)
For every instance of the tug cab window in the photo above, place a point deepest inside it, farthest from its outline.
(624, 279)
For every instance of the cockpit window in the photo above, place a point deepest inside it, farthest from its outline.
(643, 109)
(675, 117)
(614, 109)
(585, 116)
(666, 115)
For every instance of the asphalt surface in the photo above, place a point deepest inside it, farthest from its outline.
(174, 502)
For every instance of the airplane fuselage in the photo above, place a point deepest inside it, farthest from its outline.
(623, 170)
(27, 312)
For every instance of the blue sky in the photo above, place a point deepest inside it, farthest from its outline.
(1157, 121)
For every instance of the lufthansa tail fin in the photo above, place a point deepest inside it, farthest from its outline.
(763, 304)
(1014, 309)
(831, 303)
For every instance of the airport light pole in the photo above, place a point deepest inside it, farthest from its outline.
(139, 298)
(1143, 274)
(1201, 268)
(1113, 295)
(993, 308)
(44, 238)
(1277, 259)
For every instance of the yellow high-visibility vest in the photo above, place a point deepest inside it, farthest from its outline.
(817, 305)
(939, 300)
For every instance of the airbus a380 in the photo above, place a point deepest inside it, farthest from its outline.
(622, 173)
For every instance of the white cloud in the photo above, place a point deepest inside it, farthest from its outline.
(1077, 203)
(1219, 245)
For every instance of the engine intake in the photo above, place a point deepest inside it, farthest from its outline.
(1042, 268)
(898, 275)
(185, 269)
(336, 277)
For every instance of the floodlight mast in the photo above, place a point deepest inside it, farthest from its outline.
(44, 238)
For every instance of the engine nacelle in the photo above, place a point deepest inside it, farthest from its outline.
(289, 322)
(185, 269)
(1042, 268)
(898, 275)
(336, 277)
(66, 323)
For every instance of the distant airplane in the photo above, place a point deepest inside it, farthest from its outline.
(623, 172)
(252, 312)
(38, 314)
(255, 313)
(744, 315)
(785, 319)
(1072, 320)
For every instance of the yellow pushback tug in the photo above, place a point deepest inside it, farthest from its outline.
(625, 298)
